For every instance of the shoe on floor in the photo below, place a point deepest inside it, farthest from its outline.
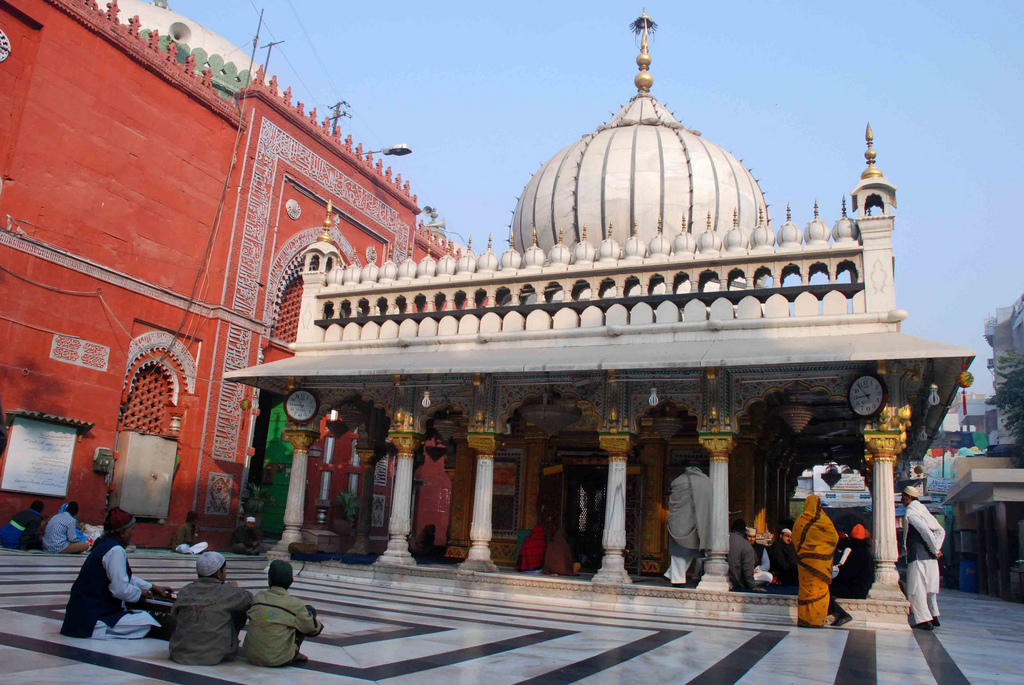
(299, 658)
(927, 625)
(935, 622)
(842, 621)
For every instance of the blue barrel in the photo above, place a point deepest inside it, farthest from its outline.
(968, 576)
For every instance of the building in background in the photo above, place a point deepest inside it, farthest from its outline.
(1004, 332)
(125, 298)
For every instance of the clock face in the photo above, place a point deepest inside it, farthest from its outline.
(301, 406)
(867, 395)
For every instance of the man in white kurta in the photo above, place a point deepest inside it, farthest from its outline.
(689, 522)
(922, 538)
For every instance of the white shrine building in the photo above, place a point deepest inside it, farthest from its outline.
(649, 312)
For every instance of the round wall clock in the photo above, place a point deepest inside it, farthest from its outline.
(867, 396)
(301, 405)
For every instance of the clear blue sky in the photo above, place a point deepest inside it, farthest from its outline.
(485, 92)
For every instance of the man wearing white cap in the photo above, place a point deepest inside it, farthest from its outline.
(922, 538)
(246, 539)
(209, 613)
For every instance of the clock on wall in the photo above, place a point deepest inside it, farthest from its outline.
(301, 405)
(867, 396)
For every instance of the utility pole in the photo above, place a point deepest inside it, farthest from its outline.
(338, 113)
(269, 48)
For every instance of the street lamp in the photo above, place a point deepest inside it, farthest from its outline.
(400, 150)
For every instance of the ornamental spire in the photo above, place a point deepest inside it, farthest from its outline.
(325, 235)
(642, 27)
(872, 171)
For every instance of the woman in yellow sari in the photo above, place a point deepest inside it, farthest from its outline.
(814, 538)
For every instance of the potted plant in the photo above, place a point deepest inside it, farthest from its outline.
(256, 501)
(348, 510)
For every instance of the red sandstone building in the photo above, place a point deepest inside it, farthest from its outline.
(116, 321)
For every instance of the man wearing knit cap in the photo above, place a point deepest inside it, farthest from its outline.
(278, 622)
(208, 614)
(922, 539)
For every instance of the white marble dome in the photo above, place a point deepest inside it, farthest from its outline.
(816, 234)
(488, 261)
(559, 255)
(788, 236)
(660, 246)
(609, 251)
(447, 265)
(427, 268)
(634, 250)
(641, 166)
(511, 259)
(709, 244)
(407, 269)
(845, 231)
(534, 258)
(336, 276)
(684, 245)
(388, 271)
(352, 274)
(370, 273)
(583, 252)
(762, 239)
(467, 262)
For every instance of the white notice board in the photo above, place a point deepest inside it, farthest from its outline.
(38, 458)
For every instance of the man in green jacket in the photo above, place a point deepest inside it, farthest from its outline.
(278, 622)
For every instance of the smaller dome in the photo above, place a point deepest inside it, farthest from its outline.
(845, 231)
(407, 269)
(370, 273)
(388, 271)
(336, 276)
(352, 274)
(583, 252)
(427, 268)
(660, 246)
(709, 244)
(763, 237)
(488, 261)
(511, 259)
(559, 254)
(684, 244)
(735, 240)
(446, 265)
(467, 262)
(609, 251)
(634, 250)
(788, 237)
(816, 234)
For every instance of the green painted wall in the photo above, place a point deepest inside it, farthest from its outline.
(278, 455)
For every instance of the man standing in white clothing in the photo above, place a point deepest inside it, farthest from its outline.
(922, 538)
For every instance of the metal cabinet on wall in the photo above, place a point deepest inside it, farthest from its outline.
(143, 473)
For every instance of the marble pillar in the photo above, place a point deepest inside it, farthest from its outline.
(881, 448)
(716, 567)
(301, 440)
(479, 557)
(366, 460)
(613, 539)
(400, 524)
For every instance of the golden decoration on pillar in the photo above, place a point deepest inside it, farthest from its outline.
(719, 445)
(616, 444)
(484, 443)
(872, 171)
(301, 438)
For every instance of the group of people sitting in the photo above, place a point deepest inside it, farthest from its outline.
(60, 535)
(246, 539)
(108, 601)
(539, 555)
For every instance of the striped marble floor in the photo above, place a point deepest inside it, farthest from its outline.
(381, 634)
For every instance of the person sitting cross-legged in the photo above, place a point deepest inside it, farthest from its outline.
(208, 615)
(23, 530)
(246, 539)
(278, 622)
(61, 536)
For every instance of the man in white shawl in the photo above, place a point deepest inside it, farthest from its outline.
(689, 522)
(922, 538)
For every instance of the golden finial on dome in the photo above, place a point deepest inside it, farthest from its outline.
(815, 208)
(490, 239)
(633, 234)
(735, 218)
(659, 225)
(535, 236)
(609, 229)
(683, 229)
(325, 235)
(559, 235)
(789, 213)
(709, 219)
(469, 243)
(584, 239)
(872, 171)
(641, 27)
(844, 206)
(760, 216)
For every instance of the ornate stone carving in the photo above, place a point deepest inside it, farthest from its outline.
(616, 445)
(718, 445)
(485, 444)
(301, 438)
(293, 209)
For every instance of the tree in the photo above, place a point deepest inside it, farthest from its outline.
(1009, 398)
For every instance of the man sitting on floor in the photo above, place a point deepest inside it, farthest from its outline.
(61, 536)
(278, 622)
(23, 530)
(742, 559)
(246, 539)
(208, 614)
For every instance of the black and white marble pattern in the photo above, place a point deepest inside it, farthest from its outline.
(426, 635)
